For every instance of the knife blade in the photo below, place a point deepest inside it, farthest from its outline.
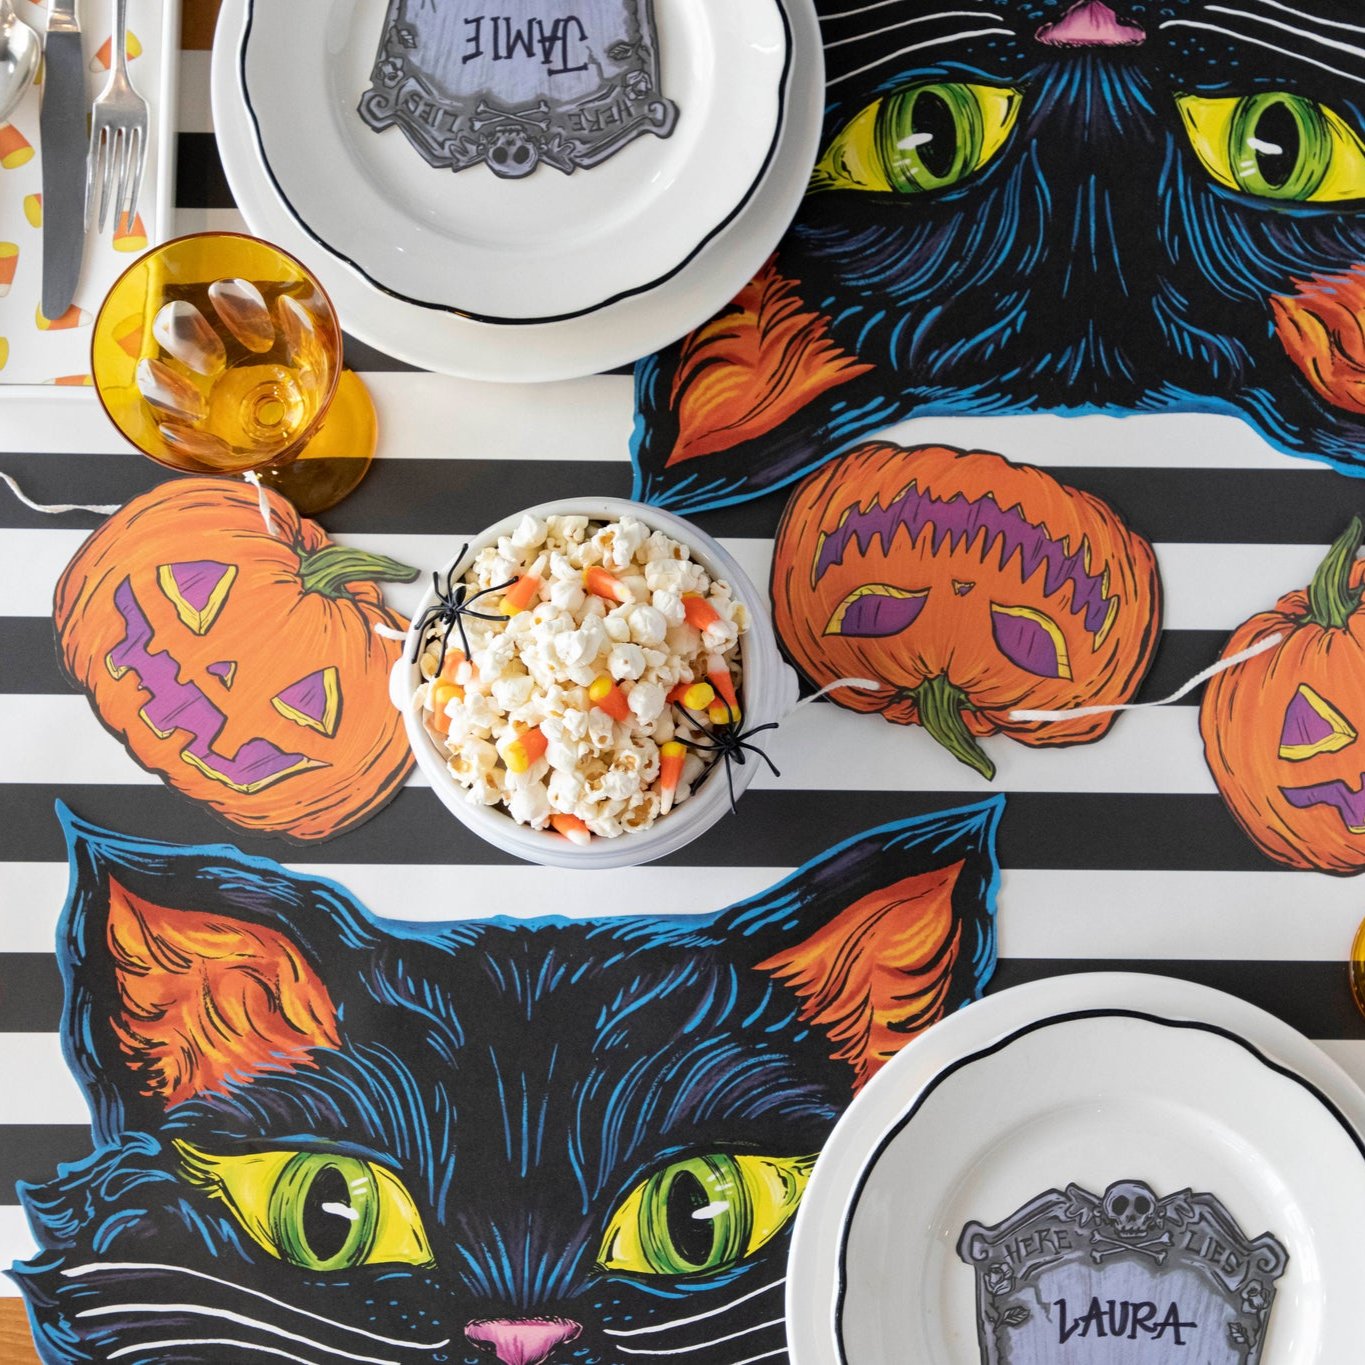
(65, 147)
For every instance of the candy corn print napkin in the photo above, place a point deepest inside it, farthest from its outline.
(35, 349)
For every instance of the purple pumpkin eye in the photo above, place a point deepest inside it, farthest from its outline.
(1312, 726)
(197, 590)
(876, 610)
(1032, 640)
(314, 701)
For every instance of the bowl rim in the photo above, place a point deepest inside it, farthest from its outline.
(709, 801)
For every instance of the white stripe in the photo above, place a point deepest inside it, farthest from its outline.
(188, 221)
(1256, 42)
(38, 1086)
(917, 47)
(1286, 28)
(195, 111)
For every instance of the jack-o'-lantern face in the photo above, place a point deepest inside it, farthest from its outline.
(1282, 728)
(171, 649)
(236, 660)
(968, 587)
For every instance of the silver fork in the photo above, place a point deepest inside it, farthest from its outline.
(118, 136)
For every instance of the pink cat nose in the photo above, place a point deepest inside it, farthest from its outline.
(1091, 23)
(522, 1341)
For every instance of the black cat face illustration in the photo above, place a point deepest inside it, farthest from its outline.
(1154, 206)
(320, 1136)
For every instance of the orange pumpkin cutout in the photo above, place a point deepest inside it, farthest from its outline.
(968, 587)
(1282, 730)
(238, 663)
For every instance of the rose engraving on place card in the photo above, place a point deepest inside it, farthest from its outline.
(514, 84)
(1122, 1277)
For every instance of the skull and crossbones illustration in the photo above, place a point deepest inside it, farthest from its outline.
(1130, 1218)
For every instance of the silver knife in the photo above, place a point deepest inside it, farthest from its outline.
(65, 147)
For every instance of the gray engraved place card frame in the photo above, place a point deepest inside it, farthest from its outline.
(1123, 1276)
(516, 84)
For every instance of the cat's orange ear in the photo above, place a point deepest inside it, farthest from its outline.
(881, 970)
(203, 999)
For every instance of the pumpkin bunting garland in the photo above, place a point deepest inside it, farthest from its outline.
(1282, 730)
(239, 663)
(968, 587)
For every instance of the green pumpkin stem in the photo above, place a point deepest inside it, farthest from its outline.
(1331, 599)
(329, 570)
(940, 707)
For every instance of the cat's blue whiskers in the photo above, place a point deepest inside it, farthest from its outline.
(1312, 18)
(1257, 42)
(160, 1310)
(696, 1317)
(918, 47)
(79, 1272)
(702, 1345)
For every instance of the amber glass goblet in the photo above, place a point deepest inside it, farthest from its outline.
(218, 353)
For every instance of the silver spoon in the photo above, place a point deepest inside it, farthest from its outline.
(20, 51)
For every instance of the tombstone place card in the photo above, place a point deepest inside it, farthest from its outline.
(1121, 1278)
(514, 84)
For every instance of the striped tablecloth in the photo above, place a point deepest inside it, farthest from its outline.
(1120, 855)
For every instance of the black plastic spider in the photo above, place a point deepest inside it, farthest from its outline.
(453, 604)
(726, 742)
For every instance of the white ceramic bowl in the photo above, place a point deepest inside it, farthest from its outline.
(769, 691)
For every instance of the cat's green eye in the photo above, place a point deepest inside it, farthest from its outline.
(703, 1214)
(1276, 145)
(926, 137)
(314, 1209)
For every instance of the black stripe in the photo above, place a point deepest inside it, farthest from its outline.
(28, 660)
(200, 182)
(32, 1151)
(433, 496)
(1043, 830)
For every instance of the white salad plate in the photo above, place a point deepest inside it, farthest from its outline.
(1087, 1080)
(533, 249)
(701, 249)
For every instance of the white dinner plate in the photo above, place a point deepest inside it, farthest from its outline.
(534, 249)
(1090, 1080)
(602, 339)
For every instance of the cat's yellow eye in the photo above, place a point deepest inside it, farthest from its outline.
(1276, 145)
(926, 137)
(703, 1214)
(314, 1209)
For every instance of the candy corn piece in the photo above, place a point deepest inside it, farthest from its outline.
(521, 752)
(520, 595)
(698, 611)
(443, 692)
(601, 583)
(73, 317)
(129, 236)
(604, 694)
(453, 667)
(718, 671)
(671, 757)
(73, 381)
(132, 48)
(128, 336)
(33, 209)
(15, 148)
(678, 692)
(4, 353)
(719, 713)
(572, 828)
(698, 696)
(9, 263)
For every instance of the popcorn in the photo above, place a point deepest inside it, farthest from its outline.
(609, 601)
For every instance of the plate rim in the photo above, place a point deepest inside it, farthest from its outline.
(498, 320)
(813, 1297)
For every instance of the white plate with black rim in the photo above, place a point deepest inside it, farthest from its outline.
(1131, 1096)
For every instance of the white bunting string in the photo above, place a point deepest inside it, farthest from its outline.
(253, 478)
(1221, 666)
(53, 509)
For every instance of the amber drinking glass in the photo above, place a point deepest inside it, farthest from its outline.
(219, 354)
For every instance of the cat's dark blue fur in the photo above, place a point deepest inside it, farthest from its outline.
(519, 1077)
(1092, 265)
